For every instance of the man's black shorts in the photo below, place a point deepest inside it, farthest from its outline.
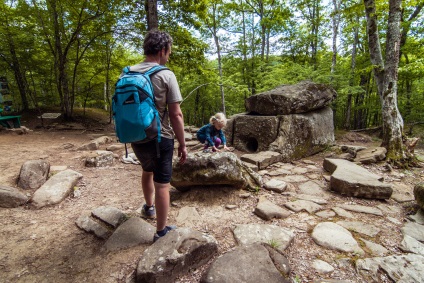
(147, 155)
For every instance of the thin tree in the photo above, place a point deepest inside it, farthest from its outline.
(386, 76)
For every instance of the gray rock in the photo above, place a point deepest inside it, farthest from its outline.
(418, 217)
(254, 167)
(360, 227)
(288, 99)
(322, 267)
(299, 170)
(399, 268)
(260, 263)
(280, 238)
(411, 245)
(300, 205)
(313, 198)
(268, 210)
(352, 149)
(89, 225)
(100, 158)
(371, 155)
(362, 209)
(115, 147)
(255, 133)
(341, 212)
(419, 194)
(262, 159)
(293, 179)
(333, 236)
(352, 180)
(133, 232)
(109, 215)
(402, 193)
(311, 188)
(375, 249)
(325, 214)
(56, 189)
(188, 136)
(33, 174)
(57, 168)
(302, 135)
(414, 230)
(175, 254)
(213, 169)
(276, 185)
(11, 197)
(95, 144)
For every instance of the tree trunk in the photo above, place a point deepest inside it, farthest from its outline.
(151, 7)
(386, 75)
(336, 21)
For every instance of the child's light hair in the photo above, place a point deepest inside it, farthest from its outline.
(218, 118)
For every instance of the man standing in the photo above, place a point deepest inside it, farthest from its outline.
(157, 171)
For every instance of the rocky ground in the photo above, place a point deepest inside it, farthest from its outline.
(46, 246)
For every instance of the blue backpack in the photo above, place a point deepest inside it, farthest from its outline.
(133, 105)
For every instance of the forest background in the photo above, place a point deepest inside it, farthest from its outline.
(69, 54)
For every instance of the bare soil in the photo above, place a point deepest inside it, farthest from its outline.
(45, 245)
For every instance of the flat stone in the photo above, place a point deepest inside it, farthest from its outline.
(376, 249)
(326, 214)
(417, 217)
(360, 227)
(293, 178)
(399, 268)
(133, 232)
(100, 158)
(56, 189)
(362, 209)
(414, 230)
(254, 167)
(279, 237)
(371, 155)
(276, 185)
(230, 206)
(313, 198)
(353, 180)
(394, 220)
(268, 210)
(411, 245)
(389, 209)
(322, 267)
(300, 205)
(311, 188)
(245, 195)
(109, 215)
(262, 159)
(299, 170)
(341, 212)
(333, 236)
(89, 225)
(252, 263)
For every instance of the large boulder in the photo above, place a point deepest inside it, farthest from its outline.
(419, 194)
(293, 136)
(291, 99)
(213, 169)
(302, 135)
(257, 262)
(33, 174)
(175, 254)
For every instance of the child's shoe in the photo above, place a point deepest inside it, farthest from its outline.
(160, 234)
(148, 211)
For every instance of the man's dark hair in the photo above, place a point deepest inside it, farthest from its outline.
(155, 41)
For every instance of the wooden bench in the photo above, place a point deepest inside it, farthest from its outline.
(10, 121)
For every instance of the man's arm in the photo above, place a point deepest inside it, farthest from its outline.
(177, 122)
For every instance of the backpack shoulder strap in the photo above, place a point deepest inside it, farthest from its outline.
(155, 69)
(126, 70)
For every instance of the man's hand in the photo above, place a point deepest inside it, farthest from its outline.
(215, 149)
(226, 148)
(182, 154)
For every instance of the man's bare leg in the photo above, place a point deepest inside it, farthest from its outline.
(148, 187)
(162, 204)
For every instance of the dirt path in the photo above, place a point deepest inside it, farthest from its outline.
(46, 246)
